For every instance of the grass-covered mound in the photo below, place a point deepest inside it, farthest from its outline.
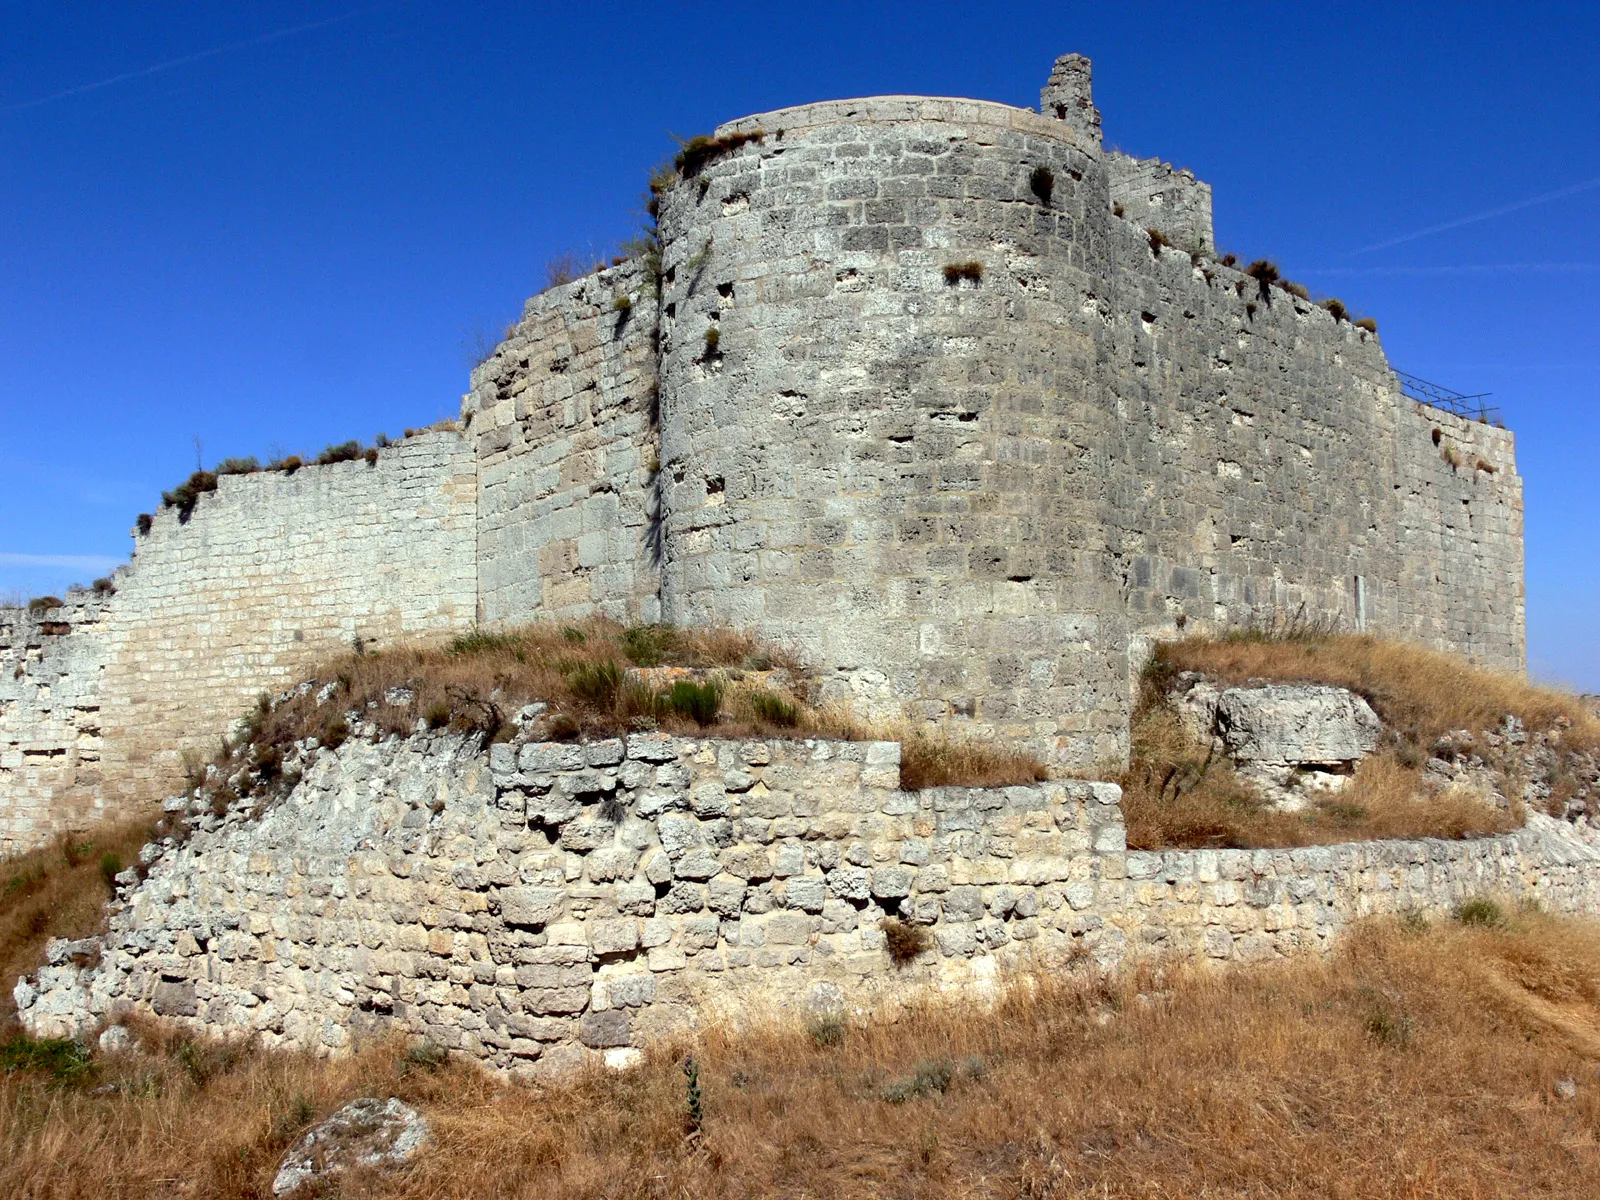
(592, 679)
(1424, 1059)
(1176, 792)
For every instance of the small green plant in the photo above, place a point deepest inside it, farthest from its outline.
(110, 868)
(649, 645)
(438, 714)
(574, 635)
(596, 682)
(426, 1055)
(64, 1059)
(774, 709)
(1336, 309)
(622, 304)
(694, 1112)
(965, 272)
(1480, 911)
(1158, 240)
(827, 1029)
(1297, 290)
(1370, 324)
(932, 1077)
(239, 466)
(713, 340)
(481, 641)
(1413, 921)
(700, 702)
(1042, 183)
(904, 941)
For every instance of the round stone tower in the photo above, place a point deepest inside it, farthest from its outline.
(878, 438)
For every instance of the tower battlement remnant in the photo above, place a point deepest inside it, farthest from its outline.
(940, 391)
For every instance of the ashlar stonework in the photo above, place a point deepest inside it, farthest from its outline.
(911, 385)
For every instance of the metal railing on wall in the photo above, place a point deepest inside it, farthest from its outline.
(1431, 394)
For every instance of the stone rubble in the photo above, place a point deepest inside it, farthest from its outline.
(364, 1133)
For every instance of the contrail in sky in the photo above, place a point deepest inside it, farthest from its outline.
(1573, 190)
(1462, 269)
(189, 58)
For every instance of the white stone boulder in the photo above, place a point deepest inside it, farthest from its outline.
(364, 1133)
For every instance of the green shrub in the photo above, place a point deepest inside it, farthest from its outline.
(713, 340)
(700, 702)
(649, 645)
(1480, 911)
(64, 1059)
(595, 683)
(110, 867)
(482, 641)
(826, 1030)
(1336, 309)
(438, 714)
(932, 1077)
(774, 709)
(622, 304)
(239, 466)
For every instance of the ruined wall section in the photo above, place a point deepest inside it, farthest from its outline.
(50, 739)
(1156, 195)
(271, 573)
(1460, 536)
(553, 903)
(895, 469)
(563, 418)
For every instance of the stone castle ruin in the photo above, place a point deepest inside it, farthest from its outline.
(942, 392)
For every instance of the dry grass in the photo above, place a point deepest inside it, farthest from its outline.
(1417, 1062)
(1422, 693)
(59, 890)
(729, 684)
(1175, 793)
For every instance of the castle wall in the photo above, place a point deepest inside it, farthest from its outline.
(896, 471)
(50, 743)
(271, 573)
(550, 903)
(1156, 195)
(563, 420)
(1267, 459)
(1460, 536)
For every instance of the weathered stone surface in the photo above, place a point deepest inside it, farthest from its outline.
(364, 1133)
(1289, 725)
(606, 464)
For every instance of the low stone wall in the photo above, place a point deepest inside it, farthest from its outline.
(549, 900)
(544, 903)
(1258, 904)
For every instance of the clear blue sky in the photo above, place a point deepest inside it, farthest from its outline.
(272, 226)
